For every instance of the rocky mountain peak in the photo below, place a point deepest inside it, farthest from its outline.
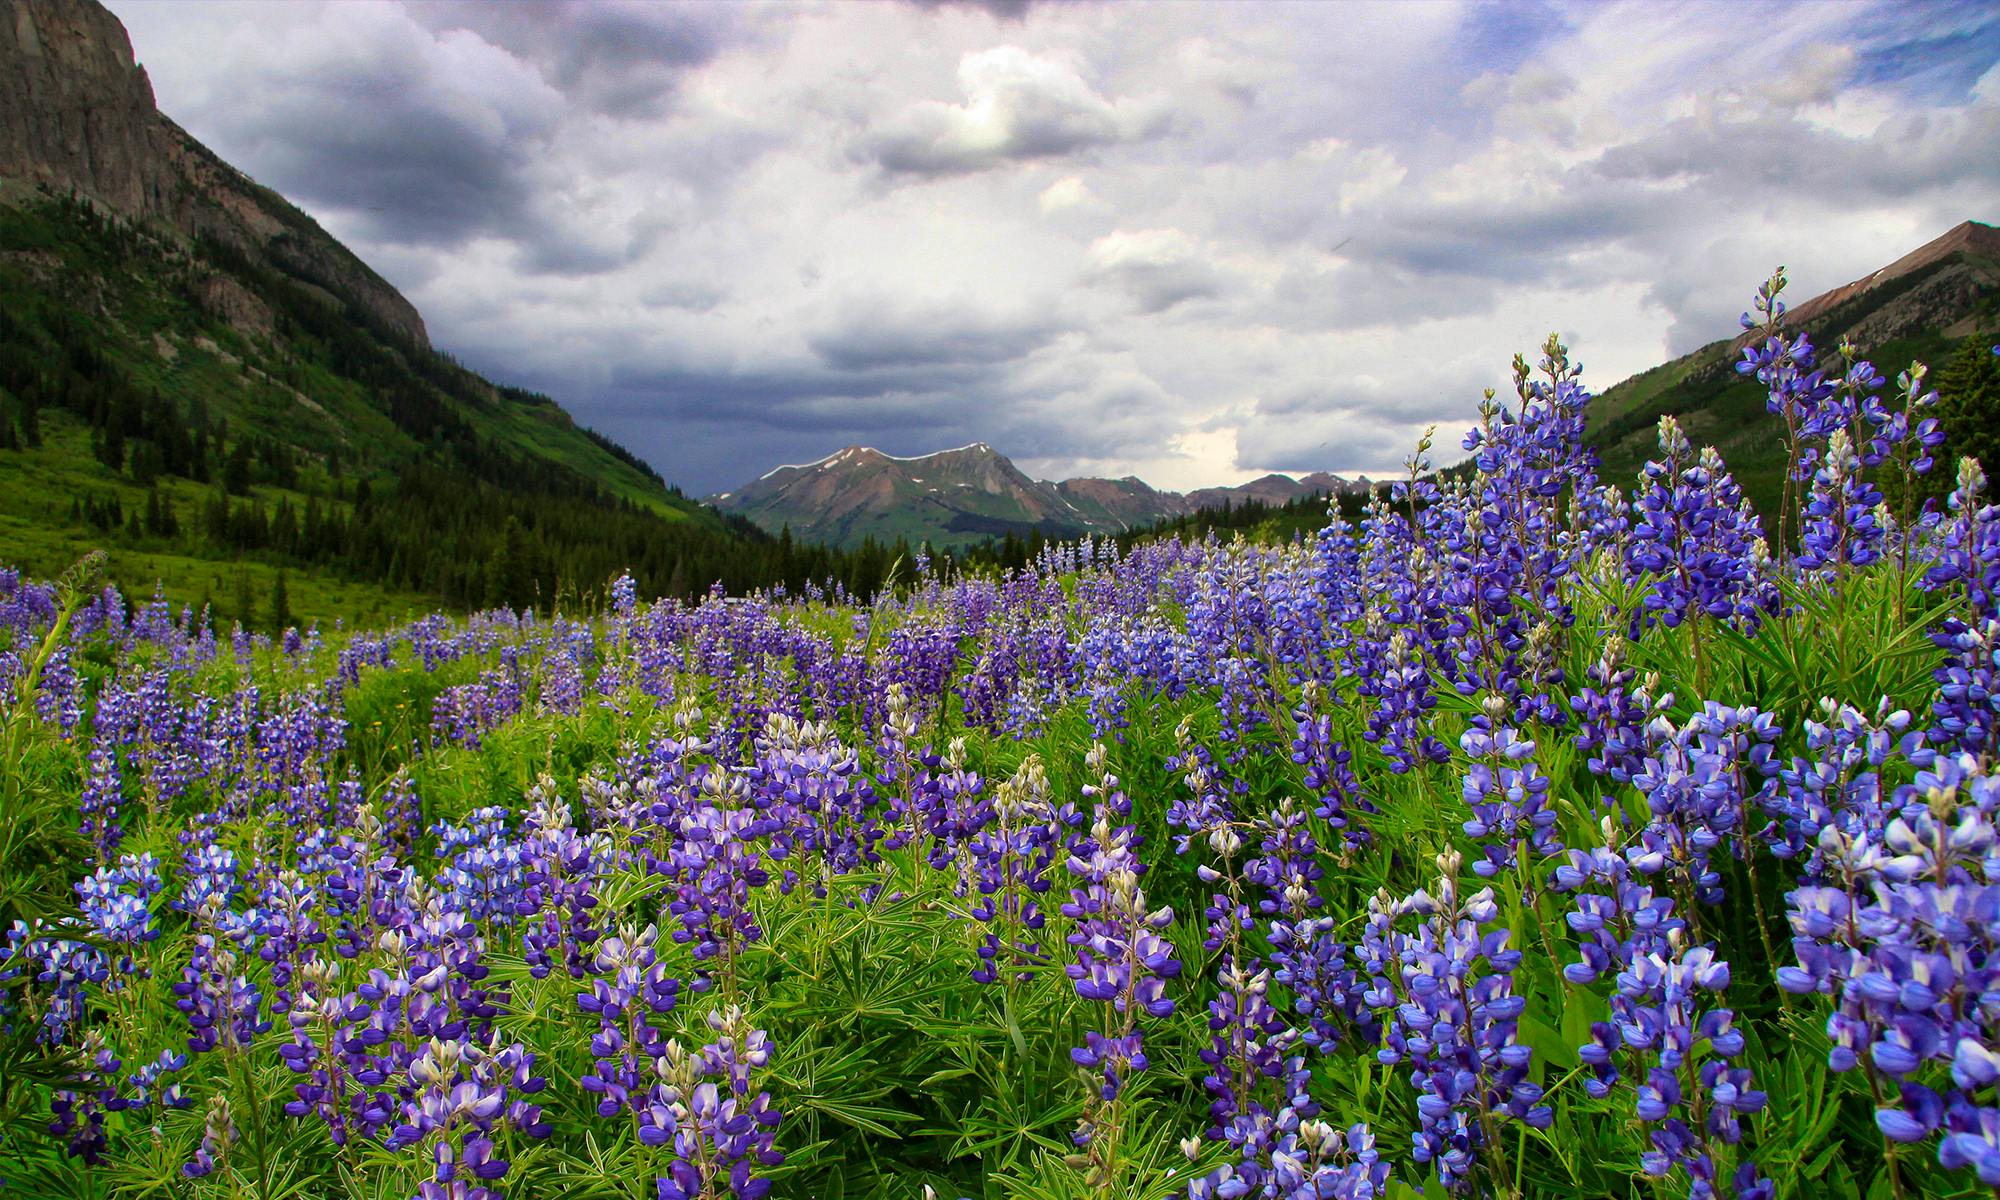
(969, 493)
(1965, 238)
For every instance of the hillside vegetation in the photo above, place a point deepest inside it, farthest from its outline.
(208, 455)
(1939, 305)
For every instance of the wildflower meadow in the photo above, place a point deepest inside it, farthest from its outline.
(1535, 834)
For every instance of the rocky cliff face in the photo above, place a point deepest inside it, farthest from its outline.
(75, 110)
(77, 114)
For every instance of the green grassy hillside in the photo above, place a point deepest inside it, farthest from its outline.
(211, 420)
(1717, 406)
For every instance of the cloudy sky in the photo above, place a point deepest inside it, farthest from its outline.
(1190, 242)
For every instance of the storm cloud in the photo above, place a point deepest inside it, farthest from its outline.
(1114, 239)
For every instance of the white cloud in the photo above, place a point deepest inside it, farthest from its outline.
(1067, 193)
(1157, 268)
(1018, 107)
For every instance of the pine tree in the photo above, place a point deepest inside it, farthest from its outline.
(245, 605)
(506, 571)
(281, 605)
(236, 471)
(1969, 406)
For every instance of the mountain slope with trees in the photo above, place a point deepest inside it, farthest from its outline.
(1939, 304)
(197, 378)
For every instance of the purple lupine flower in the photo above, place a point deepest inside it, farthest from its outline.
(1839, 784)
(1121, 962)
(58, 692)
(1905, 437)
(810, 792)
(1695, 546)
(223, 1007)
(1616, 919)
(1503, 545)
(1011, 853)
(1703, 782)
(77, 1111)
(912, 813)
(292, 933)
(149, 1085)
(1797, 391)
(485, 865)
(1904, 934)
(717, 865)
(461, 1098)
(722, 1128)
(1843, 526)
(114, 901)
(1401, 684)
(560, 870)
(1509, 798)
(62, 971)
(1250, 1043)
(322, 1023)
(213, 878)
(1454, 1017)
(1967, 556)
(634, 991)
(1612, 713)
(1329, 771)
(1687, 1049)
(1305, 1160)
(218, 1134)
(464, 714)
(101, 801)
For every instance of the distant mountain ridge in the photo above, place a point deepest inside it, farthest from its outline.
(971, 493)
(1929, 304)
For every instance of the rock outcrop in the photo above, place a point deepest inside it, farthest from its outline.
(77, 115)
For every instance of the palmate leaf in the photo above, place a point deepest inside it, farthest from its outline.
(867, 1118)
(1010, 1119)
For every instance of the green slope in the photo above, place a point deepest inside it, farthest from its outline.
(274, 426)
(1718, 407)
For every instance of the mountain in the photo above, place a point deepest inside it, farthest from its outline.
(859, 493)
(77, 113)
(1120, 504)
(962, 496)
(1939, 304)
(1274, 490)
(198, 379)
